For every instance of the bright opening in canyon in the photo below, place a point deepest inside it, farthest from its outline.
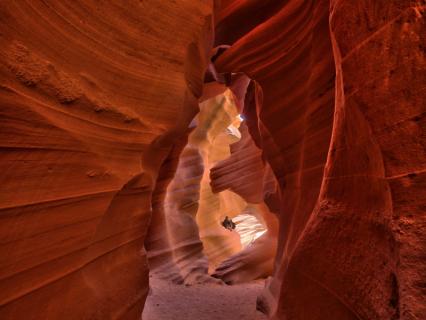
(214, 224)
(204, 252)
(212, 159)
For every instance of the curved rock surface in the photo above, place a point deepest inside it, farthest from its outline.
(193, 213)
(93, 96)
(331, 92)
(96, 101)
(245, 173)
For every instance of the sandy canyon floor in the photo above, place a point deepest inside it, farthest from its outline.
(168, 301)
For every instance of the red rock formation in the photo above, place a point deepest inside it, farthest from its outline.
(380, 75)
(340, 155)
(246, 174)
(181, 208)
(93, 95)
(157, 242)
(96, 99)
(192, 212)
(220, 118)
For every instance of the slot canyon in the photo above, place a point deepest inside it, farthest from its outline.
(212, 159)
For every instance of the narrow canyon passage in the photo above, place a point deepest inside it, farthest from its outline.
(169, 301)
(211, 243)
(131, 131)
(199, 268)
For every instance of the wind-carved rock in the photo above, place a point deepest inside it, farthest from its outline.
(331, 114)
(92, 102)
(248, 175)
(192, 212)
(96, 100)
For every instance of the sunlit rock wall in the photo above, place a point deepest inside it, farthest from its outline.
(193, 213)
(219, 243)
(247, 174)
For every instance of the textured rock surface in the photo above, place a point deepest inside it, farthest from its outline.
(245, 173)
(198, 199)
(92, 96)
(339, 108)
(96, 99)
(192, 212)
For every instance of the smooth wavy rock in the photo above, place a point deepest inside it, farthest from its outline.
(338, 112)
(97, 102)
(246, 173)
(193, 213)
(93, 95)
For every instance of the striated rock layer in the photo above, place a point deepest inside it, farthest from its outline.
(96, 100)
(192, 212)
(93, 95)
(220, 121)
(218, 157)
(248, 175)
(337, 107)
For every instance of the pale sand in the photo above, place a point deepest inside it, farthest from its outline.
(168, 301)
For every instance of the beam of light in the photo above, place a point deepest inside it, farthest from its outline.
(249, 228)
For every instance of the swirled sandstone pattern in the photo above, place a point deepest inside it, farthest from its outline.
(93, 95)
(339, 109)
(96, 100)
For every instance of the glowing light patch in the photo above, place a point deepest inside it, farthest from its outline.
(249, 228)
(241, 117)
(234, 131)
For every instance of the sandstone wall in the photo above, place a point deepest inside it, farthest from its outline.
(339, 109)
(96, 100)
(93, 95)
(193, 213)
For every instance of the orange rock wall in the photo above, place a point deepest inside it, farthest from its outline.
(192, 212)
(381, 68)
(93, 95)
(245, 173)
(339, 109)
(96, 99)
(218, 242)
